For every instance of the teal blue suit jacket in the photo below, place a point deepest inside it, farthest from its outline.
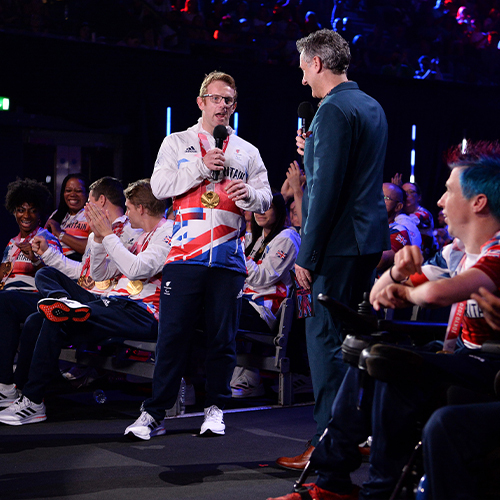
(344, 211)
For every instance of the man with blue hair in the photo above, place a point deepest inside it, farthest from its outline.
(406, 385)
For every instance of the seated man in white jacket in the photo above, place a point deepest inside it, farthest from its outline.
(131, 280)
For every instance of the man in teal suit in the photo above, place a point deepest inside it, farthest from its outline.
(345, 227)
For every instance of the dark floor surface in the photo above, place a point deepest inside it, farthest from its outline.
(80, 452)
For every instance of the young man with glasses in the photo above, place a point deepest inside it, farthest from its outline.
(204, 273)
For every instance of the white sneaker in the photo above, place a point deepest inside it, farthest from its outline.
(145, 427)
(63, 309)
(23, 411)
(247, 384)
(238, 370)
(8, 394)
(214, 421)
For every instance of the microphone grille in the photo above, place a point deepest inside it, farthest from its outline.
(305, 110)
(220, 132)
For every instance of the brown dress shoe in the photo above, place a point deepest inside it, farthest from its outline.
(296, 463)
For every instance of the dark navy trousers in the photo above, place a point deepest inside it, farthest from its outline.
(111, 317)
(191, 292)
(344, 279)
(389, 412)
(16, 308)
(456, 441)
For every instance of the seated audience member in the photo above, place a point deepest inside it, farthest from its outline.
(27, 200)
(107, 194)
(270, 258)
(68, 222)
(402, 229)
(441, 232)
(404, 393)
(293, 191)
(457, 439)
(422, 216)
(74, 314)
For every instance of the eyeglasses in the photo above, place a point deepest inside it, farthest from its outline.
(386, 198)
(216, 99)
(410, 191)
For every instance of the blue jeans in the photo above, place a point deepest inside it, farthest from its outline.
(190, 292)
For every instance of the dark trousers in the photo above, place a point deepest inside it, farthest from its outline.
(456, 441)
(190, 291)
(16, 308)
(111, 317)
(390, 413)
(344, 279)
(250, 319)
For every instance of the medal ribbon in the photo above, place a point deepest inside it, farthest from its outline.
(455, 321)
(205, 145)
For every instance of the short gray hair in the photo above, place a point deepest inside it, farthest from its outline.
(329, 46)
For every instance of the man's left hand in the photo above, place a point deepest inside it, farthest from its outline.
(392, 296)
(303, 277)
(98, 220)
(237, 190)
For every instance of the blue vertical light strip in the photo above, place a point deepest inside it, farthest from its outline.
(168, 124)
(412, 160)
(236, 119)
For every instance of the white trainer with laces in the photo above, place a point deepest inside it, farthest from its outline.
(247, 383)
(145, 427)
(23, 411)
(214, 422)
(63, 309)
(8, 394)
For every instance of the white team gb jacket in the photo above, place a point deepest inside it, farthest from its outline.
(203, 234)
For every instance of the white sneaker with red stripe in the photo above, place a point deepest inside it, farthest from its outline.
(63, 309)
(23, 411)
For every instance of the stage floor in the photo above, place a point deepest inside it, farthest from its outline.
(80, 452)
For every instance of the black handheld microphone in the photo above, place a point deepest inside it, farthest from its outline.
(306, 114)
(220, 135)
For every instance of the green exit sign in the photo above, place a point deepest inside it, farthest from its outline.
(4, 103)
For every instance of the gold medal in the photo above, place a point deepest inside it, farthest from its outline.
(135, 287)
(5, 269)
(103, 285)
(86, 282)
(210, 199)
